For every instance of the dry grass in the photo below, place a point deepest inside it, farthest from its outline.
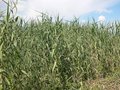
(104, 84)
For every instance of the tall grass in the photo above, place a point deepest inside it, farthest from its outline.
(47, 55)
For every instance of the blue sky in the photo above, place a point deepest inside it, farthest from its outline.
(104, 10)
(114, 13)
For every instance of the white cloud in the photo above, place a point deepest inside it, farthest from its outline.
(101, 18)
(65, 8)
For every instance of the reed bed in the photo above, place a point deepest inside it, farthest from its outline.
(47, 55)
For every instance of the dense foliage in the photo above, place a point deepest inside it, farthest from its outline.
(47, 55)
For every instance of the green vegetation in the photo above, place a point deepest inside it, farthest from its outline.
(47, 55)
